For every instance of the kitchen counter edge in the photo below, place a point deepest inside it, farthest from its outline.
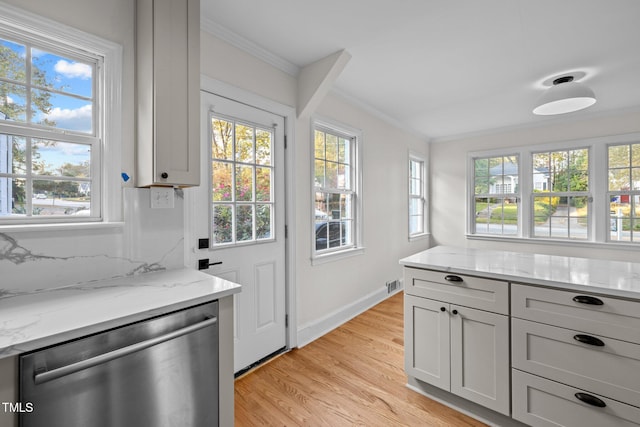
(34, 320)
(605, 277)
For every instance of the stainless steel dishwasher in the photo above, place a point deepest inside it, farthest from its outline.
(161, 372)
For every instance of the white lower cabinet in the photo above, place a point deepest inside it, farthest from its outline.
(459, 349)
(541, 402)
(542, 356)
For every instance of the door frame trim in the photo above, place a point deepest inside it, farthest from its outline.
(243, 96)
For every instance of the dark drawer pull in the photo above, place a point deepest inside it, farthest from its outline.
(588, 339)
(585, 299)
(590, 400)
(452, 278)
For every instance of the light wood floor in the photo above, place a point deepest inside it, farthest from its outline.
(351, 376)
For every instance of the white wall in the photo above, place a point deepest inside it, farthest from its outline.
(148, 239)
(326, 288)
(449, 170)
(331, 292)
(151, 239)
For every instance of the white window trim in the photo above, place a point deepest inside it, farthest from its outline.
(358, 245)
(598, 185)
(471, 191)
(20, 21)
(425, 199)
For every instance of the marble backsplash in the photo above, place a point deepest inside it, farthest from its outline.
(149, 240)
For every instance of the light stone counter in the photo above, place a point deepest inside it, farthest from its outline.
(36, 319)
(613, 278)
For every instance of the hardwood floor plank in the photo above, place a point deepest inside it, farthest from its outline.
(354, 375)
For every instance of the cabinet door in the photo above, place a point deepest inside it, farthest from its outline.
(426, 327)
(177, 97)
(168, 92)
(480, 357)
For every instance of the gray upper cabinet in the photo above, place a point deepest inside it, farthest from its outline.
(168, 92)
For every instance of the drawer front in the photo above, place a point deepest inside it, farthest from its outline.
(469, 291)
(613, 318)
(572, 357)
(539, 402)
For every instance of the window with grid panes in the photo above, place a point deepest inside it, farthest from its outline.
(496, 198)
(334, 190)
(563, 210)
(623, 193)
(242, 182)
(417, 199)
(54, 121)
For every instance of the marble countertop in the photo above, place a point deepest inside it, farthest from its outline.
(614, 278)
(33, 320)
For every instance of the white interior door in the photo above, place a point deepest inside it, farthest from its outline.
(240, 207)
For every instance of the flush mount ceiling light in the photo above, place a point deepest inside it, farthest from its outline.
(565, 96)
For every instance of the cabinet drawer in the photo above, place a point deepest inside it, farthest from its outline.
(612, 369)
(615, 318)
(541, 402)
(469, 291)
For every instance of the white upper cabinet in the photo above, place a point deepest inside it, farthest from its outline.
(168, 92)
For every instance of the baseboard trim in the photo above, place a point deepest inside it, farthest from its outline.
(314, 330)
(462, 405)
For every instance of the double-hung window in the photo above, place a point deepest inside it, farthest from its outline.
(335, 189)
(623, 192)
(574, 191)
(561, 210)
(53, 121)
(417, 199)
(496, 195)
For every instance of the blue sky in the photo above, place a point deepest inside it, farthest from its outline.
(73, 77)
(71, 110)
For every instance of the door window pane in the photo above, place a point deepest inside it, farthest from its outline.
(244, 223)
(222, 223)
(242, 182)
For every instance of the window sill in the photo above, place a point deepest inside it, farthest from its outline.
(68, 226)
(557, 242)
(418, 237)
(335, 256)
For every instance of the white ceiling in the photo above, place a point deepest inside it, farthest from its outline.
(445, 68)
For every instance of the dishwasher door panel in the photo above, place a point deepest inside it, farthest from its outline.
(158, 373)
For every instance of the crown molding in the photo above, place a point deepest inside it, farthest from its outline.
(379, 114)
(244, 44)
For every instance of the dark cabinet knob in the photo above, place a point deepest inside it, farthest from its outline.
(588, 339)
(443, 309)
(454, 311)
(585, 299)
(452, 278)
(590, 400)
(164, 175)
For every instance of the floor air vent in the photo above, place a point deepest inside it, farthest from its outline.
(392, 286)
